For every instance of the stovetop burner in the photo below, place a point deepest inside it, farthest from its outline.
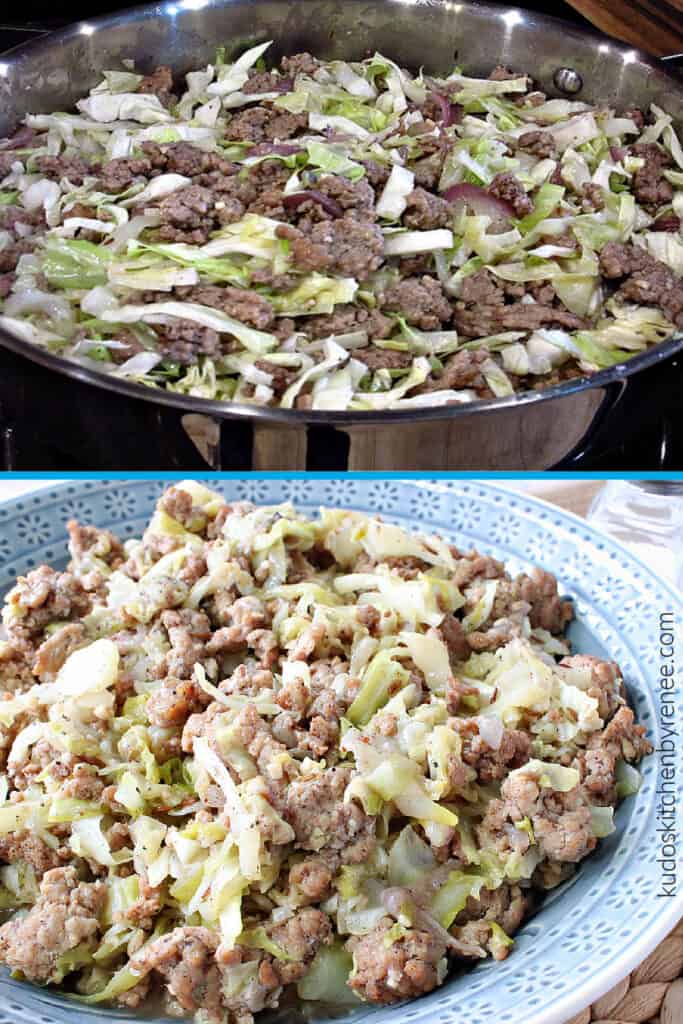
(50, 422)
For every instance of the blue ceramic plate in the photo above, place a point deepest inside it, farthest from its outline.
(589, 934)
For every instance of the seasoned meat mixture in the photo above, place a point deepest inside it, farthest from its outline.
(341, 235)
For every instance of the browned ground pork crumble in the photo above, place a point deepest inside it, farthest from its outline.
(337, 231)
(315, 826)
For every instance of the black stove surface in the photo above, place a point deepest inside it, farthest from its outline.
(52, 423)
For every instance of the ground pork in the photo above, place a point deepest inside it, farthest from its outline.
(427, 169)
(650, 187)
(182, 341)
(41, 756)
(16, 666)
(597, 769)
(41, 597)
(172, 703)
(667, 222)
(295, 697)
(312, 877)
(506, 187)
(426, 211)
(117, 175)
(183, 158)
(188, 633)
(320, 735)
(547, 609)
(420, 300)
(350, 247)
(136, 995)
(11, 216)
(88, 540)
(347, 318)
(256, 737)
(376, 173)
(300, 64)
(389, 972)
(267, 81)
(502, 73)
(457, 691)
(6, 162)
(506, 906)
(474, 566)
(146, 907)
(637, 116)
(247, 680)
(416, 266)
(644, 279)
(460, 370)
(561, 822)
(384, 358)
(483, 310)
(593, 197)
(74, 168)
(507, 618)
(54, 651)
(266, 275)
(607, 685)
(84, 783)
(622, 737)
(300, 937)
(258, 124)
(538, 143)
(315, 809)
(11, 254)
(352, 198)
(236, 619)
(178, 504)
(65, 915)
(143, 556)
(491, 764)
(159, 84)
(247, 306)
(281, 377)
(185, 958)
(187, 215)
(24, 846)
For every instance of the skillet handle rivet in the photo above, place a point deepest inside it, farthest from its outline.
(568, 80)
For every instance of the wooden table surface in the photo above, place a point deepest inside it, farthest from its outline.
(652, 25)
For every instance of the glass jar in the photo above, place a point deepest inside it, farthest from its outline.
(646, 516)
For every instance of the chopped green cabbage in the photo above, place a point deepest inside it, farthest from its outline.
(327, 977)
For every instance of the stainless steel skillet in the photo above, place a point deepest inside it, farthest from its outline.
(534, 430)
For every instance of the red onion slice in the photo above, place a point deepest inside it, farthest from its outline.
(312, 195)
(617, 153)
(480, 202)
(451, 113)
(667, 222)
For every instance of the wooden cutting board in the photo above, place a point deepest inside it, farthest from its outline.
(652, 25)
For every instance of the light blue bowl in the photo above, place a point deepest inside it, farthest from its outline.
(589, 934)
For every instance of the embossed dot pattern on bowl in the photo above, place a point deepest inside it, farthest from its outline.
(590, 933)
